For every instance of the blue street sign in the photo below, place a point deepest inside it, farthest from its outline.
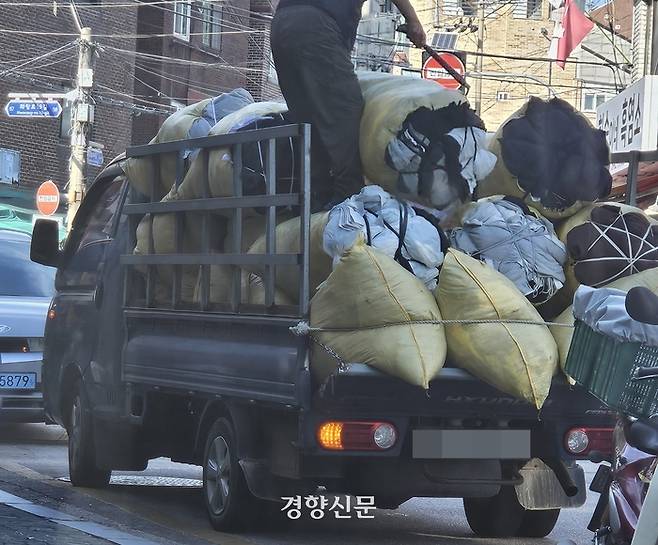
(94, 157)
(33, 108)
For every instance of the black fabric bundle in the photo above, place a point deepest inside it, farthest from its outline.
(556, 154)
(611, 245)
(425, 132)
(255, 157)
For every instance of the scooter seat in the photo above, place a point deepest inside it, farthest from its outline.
(644, 436)
(642, 305)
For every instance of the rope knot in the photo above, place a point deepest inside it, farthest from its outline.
(302, 329)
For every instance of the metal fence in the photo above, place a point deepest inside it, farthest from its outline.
(230, 207)
(633, 158)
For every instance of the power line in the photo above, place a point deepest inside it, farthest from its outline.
(39, 57)
(97, 96)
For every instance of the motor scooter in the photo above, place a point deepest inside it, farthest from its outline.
(624, 484)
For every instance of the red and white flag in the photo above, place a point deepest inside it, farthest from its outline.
(569, 32)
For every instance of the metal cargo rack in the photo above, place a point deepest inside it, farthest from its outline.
(633, 158)
(232, 209)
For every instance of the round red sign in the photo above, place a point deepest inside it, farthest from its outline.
(434, 71)
(47, 198)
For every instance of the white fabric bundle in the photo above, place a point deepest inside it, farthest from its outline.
(604, 310)
(388, 225)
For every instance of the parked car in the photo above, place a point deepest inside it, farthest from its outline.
(26, 289)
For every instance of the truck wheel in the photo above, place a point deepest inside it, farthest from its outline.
(538, 523)
(229, 502)
(82, 450)
(498, 516)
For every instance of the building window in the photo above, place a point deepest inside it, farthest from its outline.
(212, 25)
(528, 9)
(182, 12)
(469, 7)
(591, 101)
(272, 76)
(385, 6)
(502, 96)
(534, 9)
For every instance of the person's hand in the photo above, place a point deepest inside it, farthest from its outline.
(416, 33)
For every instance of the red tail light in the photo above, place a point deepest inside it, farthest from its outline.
(337, 435)
(582, 441)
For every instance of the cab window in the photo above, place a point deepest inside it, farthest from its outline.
(85, 255)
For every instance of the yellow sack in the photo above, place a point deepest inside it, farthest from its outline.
(219, 167)
(502, 182)
(164, 243)
(563, 335)
(256, 293)
(141, 170)
(368, 288)
(388, 102)
(518, 359)
(288, 241)
(221, 275)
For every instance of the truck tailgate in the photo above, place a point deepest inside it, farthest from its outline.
(455, 393)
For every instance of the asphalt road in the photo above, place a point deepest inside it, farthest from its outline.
(168, 508)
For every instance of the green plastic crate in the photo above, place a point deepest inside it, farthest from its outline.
(605, 367)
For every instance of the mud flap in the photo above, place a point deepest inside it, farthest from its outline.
(541, 489)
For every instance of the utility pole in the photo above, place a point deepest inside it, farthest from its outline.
(654, 39)
(479, 60)
(83, 118)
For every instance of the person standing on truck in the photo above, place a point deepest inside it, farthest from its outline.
(312, 42)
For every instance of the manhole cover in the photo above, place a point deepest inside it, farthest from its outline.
(146, 480)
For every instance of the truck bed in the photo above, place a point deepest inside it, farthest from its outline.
(257, 358)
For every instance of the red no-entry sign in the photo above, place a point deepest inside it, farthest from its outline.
(434, 71)
(47, 198)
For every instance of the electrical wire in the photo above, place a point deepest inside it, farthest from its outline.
(39, 57)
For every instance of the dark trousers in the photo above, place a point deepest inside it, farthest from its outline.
(318, 82)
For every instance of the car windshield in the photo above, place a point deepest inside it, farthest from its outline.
(20, 277)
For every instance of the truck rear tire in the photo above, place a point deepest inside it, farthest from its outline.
(538, 523)
(82, 449)
(498, 516)
(229, 503)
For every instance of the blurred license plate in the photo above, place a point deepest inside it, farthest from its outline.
(472, 444)
(18, 381)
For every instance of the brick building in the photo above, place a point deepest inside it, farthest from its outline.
(264, 85)
(199, 49)
(33, 31)
(151, 58)
(519, 32)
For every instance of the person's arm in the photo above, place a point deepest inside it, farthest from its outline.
(414, 27)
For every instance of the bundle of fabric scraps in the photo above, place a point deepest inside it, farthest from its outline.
(521, 245)
(611, 245)
(391, 226)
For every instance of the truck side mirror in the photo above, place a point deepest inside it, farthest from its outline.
(44, 248)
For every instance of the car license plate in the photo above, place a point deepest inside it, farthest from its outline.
(472, 444)
(18, 381)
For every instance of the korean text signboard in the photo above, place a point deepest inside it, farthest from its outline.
(630, 119)
(33, 108)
